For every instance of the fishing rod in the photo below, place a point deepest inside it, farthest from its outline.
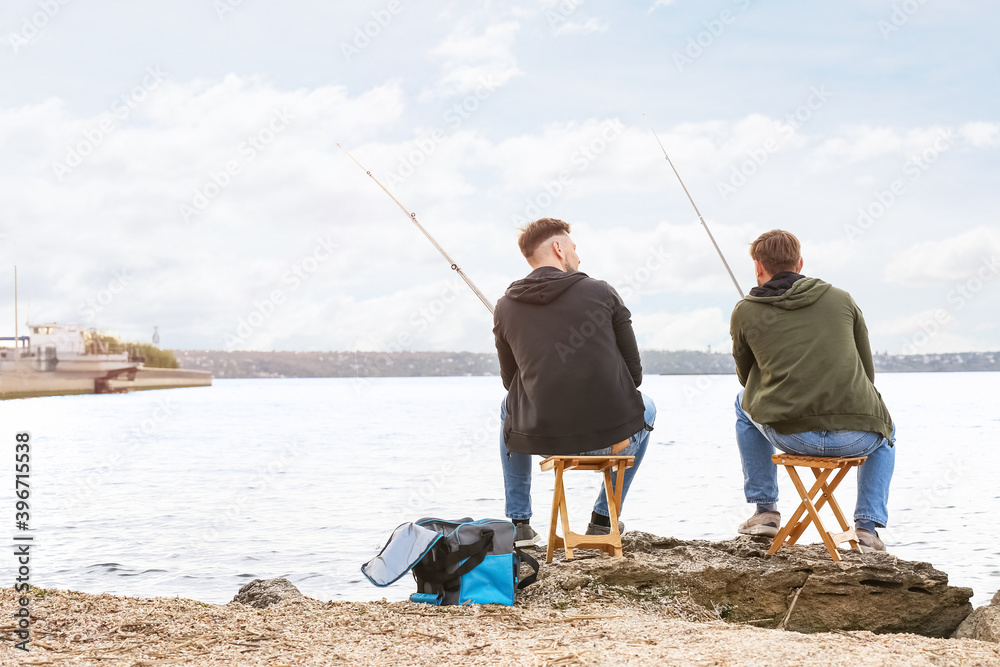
(413, 218)
(703, 223)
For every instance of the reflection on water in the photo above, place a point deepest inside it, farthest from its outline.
(194, 492)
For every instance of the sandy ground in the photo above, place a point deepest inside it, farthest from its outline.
(71, 628)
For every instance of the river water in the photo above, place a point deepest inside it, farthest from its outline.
(194, 492)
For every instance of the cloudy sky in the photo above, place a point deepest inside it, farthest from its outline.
(176, 164)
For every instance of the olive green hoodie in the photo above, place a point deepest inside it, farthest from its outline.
(805, 361)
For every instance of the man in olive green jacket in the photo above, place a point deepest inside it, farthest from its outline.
(803, 357)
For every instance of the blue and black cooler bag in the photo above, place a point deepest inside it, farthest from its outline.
(454, 562)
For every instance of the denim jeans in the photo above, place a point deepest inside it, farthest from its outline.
(760, 475)
(517, 468)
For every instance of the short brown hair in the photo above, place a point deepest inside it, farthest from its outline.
(777, 250)
(536, 233)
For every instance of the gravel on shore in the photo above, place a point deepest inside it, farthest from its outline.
(71, 628)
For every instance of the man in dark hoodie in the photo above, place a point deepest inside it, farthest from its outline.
(803, 357)
(570, 365)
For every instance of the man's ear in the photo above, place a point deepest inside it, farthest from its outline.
(557, 249)
(758, 268)
(801, 262)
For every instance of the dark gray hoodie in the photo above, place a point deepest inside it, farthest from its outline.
(570, 363)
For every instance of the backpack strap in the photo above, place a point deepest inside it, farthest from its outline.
(436, 572)
(523, 557)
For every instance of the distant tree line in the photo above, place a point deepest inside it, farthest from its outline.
(151, 356)
(277, 364)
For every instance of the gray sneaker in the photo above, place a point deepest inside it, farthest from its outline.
(869, 541)
(593, 529)
(765, 523)
(525, 535)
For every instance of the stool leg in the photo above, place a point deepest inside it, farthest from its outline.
(818, 486)
(564, 516)
(619, 497)
(807, 500)
(556, 495)
(793, 523)
(835, 506)
(614, 504)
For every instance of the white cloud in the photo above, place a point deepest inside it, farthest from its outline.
(930, 331)
(197, 279)
(588, 27)
(861, 144)
(947, 260)
(473, 62)
(691, 330)
(661, 3)
(981, 134)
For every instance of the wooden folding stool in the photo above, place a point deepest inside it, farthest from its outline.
(813, 500)
(611, 544)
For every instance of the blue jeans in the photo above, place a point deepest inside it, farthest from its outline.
(517, 468)
(760, 475)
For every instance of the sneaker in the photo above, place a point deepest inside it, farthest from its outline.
(594, 529)
(765, 523)
(525, 535)
(869, 541)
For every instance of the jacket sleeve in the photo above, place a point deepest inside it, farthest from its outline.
(508, 365)
(742, 354)
(621, 320)
(861, 342)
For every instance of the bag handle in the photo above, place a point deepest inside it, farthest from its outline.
(522, 557)
(473, 555)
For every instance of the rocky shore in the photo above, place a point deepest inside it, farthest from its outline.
(667, 603)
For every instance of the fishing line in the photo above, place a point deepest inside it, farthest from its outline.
(413, 218)
(703, 223)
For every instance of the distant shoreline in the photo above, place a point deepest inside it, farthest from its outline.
(282, 364)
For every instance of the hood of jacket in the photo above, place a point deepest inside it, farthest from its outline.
(543, 285)
(803, 292)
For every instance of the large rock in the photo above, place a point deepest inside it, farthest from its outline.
(983, 623)
(740, 582)
(263, 593)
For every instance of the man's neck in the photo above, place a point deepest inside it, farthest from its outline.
(554, 264)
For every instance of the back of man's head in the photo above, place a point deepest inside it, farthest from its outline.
(536, 233)
(777, 250)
